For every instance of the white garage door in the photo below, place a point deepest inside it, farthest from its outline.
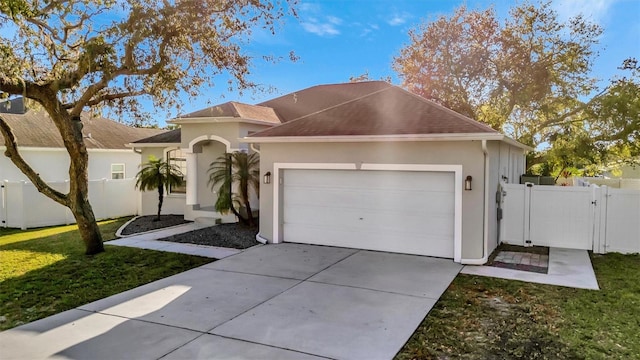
(398, 211)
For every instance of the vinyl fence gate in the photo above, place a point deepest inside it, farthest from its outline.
(595, 218)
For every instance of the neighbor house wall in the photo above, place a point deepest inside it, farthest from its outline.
(172, 203)
(469, 154)
(53, 164)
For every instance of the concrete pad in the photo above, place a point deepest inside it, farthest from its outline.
(199, 250)
(150, 244)
(567, 267)
(339, 322)
(215, 347)
(292, 261)
(77, 334)
(198, 299)
(397, 273)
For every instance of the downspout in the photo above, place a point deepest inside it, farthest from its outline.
(259, 238)
(485, 232)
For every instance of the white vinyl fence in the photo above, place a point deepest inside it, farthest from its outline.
(601, 219)
(24, 207)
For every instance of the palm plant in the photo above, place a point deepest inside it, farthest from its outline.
(240, 169)
(160, 175)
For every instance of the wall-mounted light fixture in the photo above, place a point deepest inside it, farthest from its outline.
(467, 183)
(267, 178)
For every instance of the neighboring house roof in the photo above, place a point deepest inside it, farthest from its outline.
(169, 137)
(36, 129)
(12, 106)
(386, 111)
(234, 109)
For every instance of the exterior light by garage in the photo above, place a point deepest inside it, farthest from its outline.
(467, 183)
(267, 178)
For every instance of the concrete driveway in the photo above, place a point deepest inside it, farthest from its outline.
(286, 301)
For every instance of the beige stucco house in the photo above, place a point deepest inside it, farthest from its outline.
(363, 165)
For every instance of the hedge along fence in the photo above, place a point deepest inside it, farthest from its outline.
(24, 207)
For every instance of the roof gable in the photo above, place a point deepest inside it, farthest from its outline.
(238, 110)
(386, 111)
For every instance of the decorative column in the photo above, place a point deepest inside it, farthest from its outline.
(192, 178)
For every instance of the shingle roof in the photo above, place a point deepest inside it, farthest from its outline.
(379, 110)
(36, 129)
(169, 137)
(237, 110)
(317, 98)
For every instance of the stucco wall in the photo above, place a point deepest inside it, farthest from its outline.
(211, 151)
(53, 164)
(468, 154)
(172, 203)
(506, 163)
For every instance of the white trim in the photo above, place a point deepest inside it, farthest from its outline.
(370, 138)
(456, 169)
(385, 138)
(217, 138)
(148, 145)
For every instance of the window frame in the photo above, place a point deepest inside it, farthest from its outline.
(183, 169)
(123, 172)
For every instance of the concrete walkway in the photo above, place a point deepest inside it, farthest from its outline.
(567, 267)
(283, 301)
(149, 240)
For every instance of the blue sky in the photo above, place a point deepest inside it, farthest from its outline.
(339, 39)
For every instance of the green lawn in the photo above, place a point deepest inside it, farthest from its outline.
(44, 271)
(486, 318)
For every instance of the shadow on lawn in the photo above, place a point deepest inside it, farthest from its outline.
(46, 275)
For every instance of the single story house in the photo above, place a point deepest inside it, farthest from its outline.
(364, 165)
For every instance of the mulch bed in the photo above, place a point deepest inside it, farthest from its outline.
(225, 235)
(148, 223)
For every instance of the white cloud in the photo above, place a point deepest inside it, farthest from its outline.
(398, 18)
(334, 20)
(320, 29)
(595, 10)
(313, 20)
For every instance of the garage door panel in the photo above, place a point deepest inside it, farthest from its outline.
(352, 238)
(391, 200)
(355, 219)
(397, 211)
(321, 198)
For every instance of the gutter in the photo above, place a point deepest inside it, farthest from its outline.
(485, 232)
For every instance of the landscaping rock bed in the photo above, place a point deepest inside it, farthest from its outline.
(225, 235)
(148, 223)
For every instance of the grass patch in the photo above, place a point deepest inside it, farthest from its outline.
(44, 271)
(487, 318)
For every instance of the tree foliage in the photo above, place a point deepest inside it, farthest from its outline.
(160, 175)
(528, 76)
(72, 56)
(232, 176)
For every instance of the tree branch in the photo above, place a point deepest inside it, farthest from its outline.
(12, 153)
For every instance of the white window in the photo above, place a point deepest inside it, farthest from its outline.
(176, 157)
(117, 171)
